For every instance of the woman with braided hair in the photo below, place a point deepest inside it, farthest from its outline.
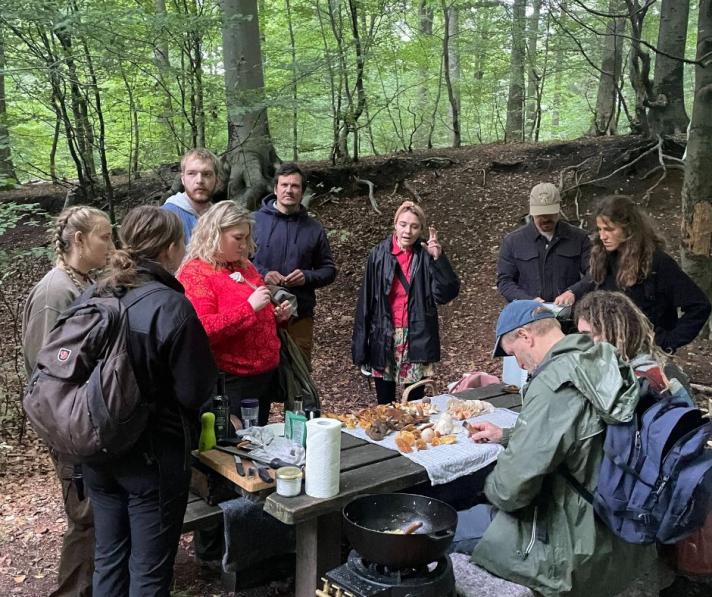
(82, 241)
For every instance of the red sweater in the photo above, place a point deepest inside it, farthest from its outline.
(243, 342)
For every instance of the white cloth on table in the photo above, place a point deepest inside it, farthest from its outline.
(449, 462)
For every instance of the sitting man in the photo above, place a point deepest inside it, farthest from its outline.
(544, 259)
(541, 533)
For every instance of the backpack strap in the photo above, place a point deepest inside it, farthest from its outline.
(574, 483)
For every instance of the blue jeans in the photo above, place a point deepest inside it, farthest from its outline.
(139, 503)
(471, 527)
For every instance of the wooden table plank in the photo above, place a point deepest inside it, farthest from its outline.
(393, 474)
(349, 441)
(198, 513)
(495, 395)
(364, 455)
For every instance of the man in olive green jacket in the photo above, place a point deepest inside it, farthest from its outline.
(544, 535)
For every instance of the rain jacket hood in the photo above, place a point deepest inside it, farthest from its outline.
(596, 372)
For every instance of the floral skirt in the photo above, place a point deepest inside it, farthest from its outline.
(400, 369)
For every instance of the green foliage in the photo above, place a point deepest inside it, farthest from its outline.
(406, 102)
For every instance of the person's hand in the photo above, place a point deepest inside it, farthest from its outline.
(538, 299)
(274, 278)
(484, 433)
(565, 298)
(283, 312)
(296, 278)
(433, 246)
(259, 299)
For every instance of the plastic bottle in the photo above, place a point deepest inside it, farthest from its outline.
(221, 410)
(207, 432)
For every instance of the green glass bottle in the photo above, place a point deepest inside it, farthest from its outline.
(207, 432)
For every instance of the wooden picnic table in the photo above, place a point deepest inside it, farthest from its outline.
(365, 468)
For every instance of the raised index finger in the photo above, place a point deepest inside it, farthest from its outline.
(433, 233)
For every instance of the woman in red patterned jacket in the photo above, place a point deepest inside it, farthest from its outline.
(234, 305)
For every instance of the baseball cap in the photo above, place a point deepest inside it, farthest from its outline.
(544, 199)
(515, 315)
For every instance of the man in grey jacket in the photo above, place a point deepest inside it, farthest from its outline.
(199, 173)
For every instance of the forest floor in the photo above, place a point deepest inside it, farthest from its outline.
(473, 195)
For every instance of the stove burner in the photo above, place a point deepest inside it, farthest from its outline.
(362, 578)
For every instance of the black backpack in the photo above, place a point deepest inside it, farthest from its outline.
(82, 397)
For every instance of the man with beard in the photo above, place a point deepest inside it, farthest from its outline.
(545, 258)
(293, 251)
(199, 174)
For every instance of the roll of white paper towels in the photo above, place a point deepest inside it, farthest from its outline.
(323, 454)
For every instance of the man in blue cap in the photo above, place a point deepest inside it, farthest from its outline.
(539, 532)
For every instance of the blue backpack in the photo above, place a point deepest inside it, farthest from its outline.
(655, 481)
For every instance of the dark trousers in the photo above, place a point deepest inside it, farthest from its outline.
(139, 504)
(261, 386)
(76, 561)
(386, 391)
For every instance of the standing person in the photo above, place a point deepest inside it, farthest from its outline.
(544, 259)
(140, 498)
(293, 251)
(628, 255)
(234, 305)
(396, 332)
(541, 533)
(199, 173)
(82, 242)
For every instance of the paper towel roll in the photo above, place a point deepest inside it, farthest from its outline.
(321, 475)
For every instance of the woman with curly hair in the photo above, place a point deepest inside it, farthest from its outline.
(628, 256)
(234, 305)
(82, 241)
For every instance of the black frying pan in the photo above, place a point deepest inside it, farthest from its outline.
(369, 522)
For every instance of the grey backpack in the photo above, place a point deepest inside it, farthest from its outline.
(82, 397)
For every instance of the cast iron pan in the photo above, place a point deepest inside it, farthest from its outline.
(369, 518)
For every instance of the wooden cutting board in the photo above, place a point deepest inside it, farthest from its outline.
(224, 464)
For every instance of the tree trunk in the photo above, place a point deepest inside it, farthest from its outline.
(639, 68)
(425, 15)
(295, 104)
(558, 75)
(533, 76)
(667, 110)
(7, 170)
(251, 154)
(161, 59)
(452, 57)
(514, 130)
(604, 120)
(697, 187)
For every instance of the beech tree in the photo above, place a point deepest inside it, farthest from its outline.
(668, 114)
(605, 119)
(514, 130)
(7, 170)
(697, 187)
(250, 153)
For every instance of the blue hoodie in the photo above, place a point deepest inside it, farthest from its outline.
(180, 205)
(286, 242)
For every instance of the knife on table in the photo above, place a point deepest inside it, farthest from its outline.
(274, 463)
(238, 466)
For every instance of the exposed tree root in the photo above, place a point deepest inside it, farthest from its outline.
(371, 196)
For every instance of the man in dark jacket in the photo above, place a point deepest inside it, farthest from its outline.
(293, 251)
(545, 258)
